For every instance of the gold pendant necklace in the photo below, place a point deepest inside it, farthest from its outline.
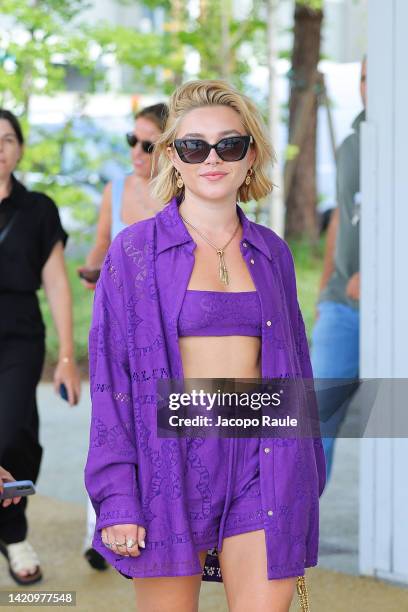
(222, 268)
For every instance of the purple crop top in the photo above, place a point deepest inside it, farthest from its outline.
(220, 313)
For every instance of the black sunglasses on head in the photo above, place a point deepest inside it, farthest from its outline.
(230, 149)
(132, 141)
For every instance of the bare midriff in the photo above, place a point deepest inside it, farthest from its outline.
(221, 356)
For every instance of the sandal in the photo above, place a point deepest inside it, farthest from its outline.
(20, 557)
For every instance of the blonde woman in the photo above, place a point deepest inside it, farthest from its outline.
(200, 291)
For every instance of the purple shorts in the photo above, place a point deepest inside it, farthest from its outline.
(224, 497)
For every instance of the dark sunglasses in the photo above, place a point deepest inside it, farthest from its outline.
(132, 141)
(231, 149)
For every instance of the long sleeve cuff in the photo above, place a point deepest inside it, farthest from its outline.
(120, 510)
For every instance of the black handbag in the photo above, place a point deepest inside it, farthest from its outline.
(212, 573)
(212, 570)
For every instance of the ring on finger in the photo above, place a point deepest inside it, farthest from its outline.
(130, 543)
(108, 544)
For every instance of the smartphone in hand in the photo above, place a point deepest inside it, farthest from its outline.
(17, 488)
(63, 392)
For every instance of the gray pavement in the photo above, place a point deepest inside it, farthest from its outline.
(64, 436)
(56, 536)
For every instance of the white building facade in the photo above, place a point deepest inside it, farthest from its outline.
(344, 36)
(384, 314)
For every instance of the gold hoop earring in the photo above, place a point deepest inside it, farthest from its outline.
(248, 177)
(179, 182)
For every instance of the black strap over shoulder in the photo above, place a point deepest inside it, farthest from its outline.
(6, 230)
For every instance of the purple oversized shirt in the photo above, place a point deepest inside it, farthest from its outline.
(132, 475)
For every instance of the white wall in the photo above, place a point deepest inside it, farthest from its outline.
(345, 30)
(384, 312)
(344, 36)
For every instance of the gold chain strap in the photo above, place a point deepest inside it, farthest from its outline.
(303, 594)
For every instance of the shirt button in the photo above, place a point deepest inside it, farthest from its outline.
(269, 323)
(270, 512)
(267, 450)
(244, 244)
(252, 261)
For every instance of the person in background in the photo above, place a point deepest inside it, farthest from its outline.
(125, 201)
(335, 336)
(31, 254)
(5, 476)
(128, 199)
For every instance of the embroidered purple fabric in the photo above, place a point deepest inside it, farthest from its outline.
(235, 493)
(132, 475)
(219, 313)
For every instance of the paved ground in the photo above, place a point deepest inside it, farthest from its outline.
(57, 536)
(57, 518)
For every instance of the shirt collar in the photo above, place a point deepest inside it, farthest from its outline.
(172, 231)
(251, 233)
(16, 193)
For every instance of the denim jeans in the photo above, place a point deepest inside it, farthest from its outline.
(335, 354)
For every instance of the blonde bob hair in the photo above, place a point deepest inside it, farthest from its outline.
(199, 93)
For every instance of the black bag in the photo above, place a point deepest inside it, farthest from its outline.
(212, 570)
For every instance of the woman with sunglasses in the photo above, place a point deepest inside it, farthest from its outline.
(200, 292)
(128, 199)
(125, 201)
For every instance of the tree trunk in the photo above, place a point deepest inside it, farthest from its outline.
(276, 203)
(301, 197)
